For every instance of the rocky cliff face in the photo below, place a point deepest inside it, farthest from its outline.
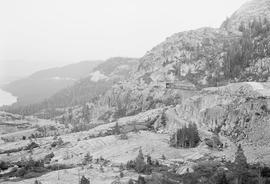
(240, 111)
(196, 54)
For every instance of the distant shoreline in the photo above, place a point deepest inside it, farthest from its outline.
(6, 98)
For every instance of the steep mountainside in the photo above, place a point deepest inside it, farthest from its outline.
(240, 111)
(200, 58)
(194, 59)
(45, 83)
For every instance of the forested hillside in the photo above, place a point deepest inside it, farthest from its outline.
(44, 83)
(85, 90)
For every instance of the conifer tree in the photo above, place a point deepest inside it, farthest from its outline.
(241, 165)
(140, 164)
(163, 120)
(116, 129)
(86, 113)
(149, 160)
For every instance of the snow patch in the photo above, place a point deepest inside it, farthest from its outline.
(97, 76)
(62, 78)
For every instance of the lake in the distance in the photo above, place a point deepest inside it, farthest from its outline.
(6, 98)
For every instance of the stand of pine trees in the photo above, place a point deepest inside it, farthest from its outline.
(186, 137)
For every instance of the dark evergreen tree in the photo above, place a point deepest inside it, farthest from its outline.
(121, 174)
(241, 166)
(163, 119)
(140, 164)
(116, 130)
(149, 161)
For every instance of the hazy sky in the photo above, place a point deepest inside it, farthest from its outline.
(37, 34)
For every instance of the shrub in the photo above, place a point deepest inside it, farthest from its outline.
(121, 174)
(163, 157)
(206, 168)
(58, 142)
(101, 169)
(148, 169)
(141, 180)
(55, 137)
(130, 181)
(123, 136)
(87, 159)
(214, 142)
(55, 167)
(135, 128)
(31, 146)
(37, 182)
(48, 157)
(20, 172)
(84, 180)
(121, 168)
(31, 174)
(130, 165)
(149, 161)
(4, 165)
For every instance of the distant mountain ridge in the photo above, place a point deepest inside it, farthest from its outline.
(98, 81)
(45, 83)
